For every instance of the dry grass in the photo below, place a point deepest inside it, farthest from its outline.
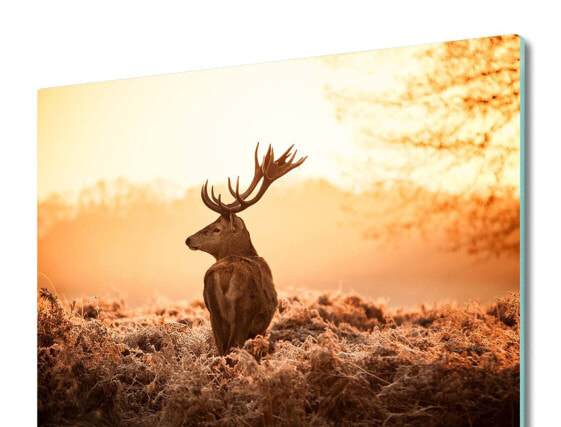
(326, 360)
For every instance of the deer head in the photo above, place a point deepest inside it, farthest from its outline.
(228, 234)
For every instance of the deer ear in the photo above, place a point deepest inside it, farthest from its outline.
(237, 223)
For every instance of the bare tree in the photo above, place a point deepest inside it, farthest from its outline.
(452, 127)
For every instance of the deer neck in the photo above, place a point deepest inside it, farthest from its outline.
(237, 247)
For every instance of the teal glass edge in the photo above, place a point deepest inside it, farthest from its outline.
(522, 229)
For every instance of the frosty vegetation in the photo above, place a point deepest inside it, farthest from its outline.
(327, 359)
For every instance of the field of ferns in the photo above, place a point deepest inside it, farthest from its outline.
(327, 359)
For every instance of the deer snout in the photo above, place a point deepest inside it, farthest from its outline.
(189, 242)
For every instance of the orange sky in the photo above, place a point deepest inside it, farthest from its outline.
(181, 129)
(191, 126)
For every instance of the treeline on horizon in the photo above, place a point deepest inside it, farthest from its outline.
(129, 238)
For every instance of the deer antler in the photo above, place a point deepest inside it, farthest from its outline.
(269, 170)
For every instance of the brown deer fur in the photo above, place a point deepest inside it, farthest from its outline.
(239, 291)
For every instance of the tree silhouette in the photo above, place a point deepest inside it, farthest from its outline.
(451, 128)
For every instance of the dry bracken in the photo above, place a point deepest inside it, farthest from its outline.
(327, 359)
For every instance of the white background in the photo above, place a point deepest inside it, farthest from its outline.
(54, 43)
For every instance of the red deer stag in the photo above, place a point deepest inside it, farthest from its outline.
(238, 289)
